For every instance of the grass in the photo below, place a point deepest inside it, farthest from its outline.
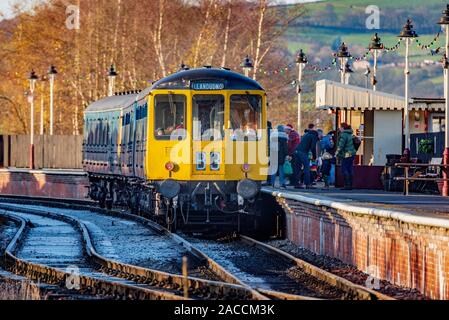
(342, 6)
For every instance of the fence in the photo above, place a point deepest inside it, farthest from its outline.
(437, 139)
(50, 152)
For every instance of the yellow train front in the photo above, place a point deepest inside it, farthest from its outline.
(189, 152)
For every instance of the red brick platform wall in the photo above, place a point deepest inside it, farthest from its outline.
(43, 185)
(408, 255)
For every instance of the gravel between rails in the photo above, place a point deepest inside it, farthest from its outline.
(59, 245)
(130, 242)
(263, 270)
(346, 271)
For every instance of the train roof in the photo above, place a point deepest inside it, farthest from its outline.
(224, 78)
(231, 80)
(118, 101)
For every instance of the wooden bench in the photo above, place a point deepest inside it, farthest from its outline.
(419, 175)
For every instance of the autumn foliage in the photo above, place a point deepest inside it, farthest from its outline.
(145, 40)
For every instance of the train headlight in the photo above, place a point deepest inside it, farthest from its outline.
(246, 167)
(170, 166)
(247, 189)
(169, 188)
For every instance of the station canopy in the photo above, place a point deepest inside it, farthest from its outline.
(333, 95)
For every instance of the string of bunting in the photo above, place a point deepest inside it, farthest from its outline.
(362, 57)
(393, 48)
(428, 46)
(276, 71)
(320, 69)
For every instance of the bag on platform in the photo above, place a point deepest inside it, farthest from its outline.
(288, 170)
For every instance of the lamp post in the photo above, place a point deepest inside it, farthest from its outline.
(111, 80)
(247, 66)
(52, 75)
(444, 21)
(343, 55)
(301, 61)
(32, 78)
(375, 47)
(408, 34)
(43, 79)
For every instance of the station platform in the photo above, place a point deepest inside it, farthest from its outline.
(401, 239)
(53, 183)
(431, 206)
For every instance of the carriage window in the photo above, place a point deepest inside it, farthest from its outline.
(208, 117)
(246, 116)
(169, 119)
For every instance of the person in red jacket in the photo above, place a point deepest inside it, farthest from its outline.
(293, 141)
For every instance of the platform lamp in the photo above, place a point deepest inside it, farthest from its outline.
(32, 79)
(407, 34)
(42, 80)
(247, 65)
(444, 21)
(375, 47)
(301, 61)
(343, 55)
(112, 74)
(52, 72)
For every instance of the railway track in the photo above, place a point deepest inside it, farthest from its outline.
(263, 271)
(47, 262)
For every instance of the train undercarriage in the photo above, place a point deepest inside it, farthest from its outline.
(204, 207)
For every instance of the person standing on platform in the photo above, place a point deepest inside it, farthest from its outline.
(307, 145)
(346, 153)
(293, 141)
(328, 147)
(279, 143)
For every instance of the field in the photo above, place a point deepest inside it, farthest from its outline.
(319, 36)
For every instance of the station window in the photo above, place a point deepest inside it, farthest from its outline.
(169, 119)
(208, 117)
(246, 116)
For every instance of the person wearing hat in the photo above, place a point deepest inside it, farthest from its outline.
(279, 149)
(293, 141)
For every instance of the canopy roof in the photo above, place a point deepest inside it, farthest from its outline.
(334, 95)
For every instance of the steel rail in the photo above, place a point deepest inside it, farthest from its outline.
(357, 291)
(52, 275)
(200, 287)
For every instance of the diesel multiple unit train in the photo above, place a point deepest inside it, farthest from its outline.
(189, 152)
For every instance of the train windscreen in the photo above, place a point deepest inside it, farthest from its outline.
(169, 116)
(246, 116)
(208, 117)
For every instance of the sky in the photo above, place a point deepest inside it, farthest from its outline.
(5, 5)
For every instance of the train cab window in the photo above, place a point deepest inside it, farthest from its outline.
(246, 117)
(208, 117)
(169, 116)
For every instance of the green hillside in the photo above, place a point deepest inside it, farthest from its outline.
(328, 23)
